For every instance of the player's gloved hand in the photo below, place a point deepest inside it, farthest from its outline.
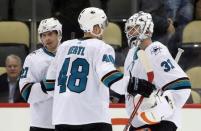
(140, 86)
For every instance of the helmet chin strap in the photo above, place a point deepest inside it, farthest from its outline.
(138, 42)
(131, 43)
(59, 40)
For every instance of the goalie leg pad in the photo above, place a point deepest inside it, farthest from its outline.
(156, 108)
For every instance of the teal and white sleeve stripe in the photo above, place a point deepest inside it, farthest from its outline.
(49, 84)
(26, 91)
(111, 77)
(181, 83)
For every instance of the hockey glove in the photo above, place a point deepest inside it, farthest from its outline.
(140, 86)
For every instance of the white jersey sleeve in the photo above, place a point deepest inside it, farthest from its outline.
(31, 80)
(107, 72)
(168, 75)
(104, 60)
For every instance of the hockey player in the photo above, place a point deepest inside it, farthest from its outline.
(82, 72)
(161, 111)
(34, 71)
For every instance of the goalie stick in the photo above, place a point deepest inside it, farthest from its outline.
(150, 75)
(180, 51)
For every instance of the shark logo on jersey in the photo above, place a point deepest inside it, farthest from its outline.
(155, 50)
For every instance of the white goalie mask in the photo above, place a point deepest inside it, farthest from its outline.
(143, 24)
(50, 24)
(90, 17)
(156, 108)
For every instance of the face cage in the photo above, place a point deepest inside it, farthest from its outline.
(133, 40)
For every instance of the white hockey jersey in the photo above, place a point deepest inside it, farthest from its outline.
(32, 88)
(167, 76)
(79, 95)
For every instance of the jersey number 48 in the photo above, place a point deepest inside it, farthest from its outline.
(76, 79)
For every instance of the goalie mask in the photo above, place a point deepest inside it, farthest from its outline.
(138, 28)
(50, 24)
(90, 17)
(155, 108)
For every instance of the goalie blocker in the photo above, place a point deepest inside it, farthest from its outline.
(140, 86)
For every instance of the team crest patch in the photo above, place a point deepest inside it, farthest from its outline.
(156, 50)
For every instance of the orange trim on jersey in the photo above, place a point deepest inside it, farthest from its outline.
(143, 115)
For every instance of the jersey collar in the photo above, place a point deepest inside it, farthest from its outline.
(48, 52)
(85, 38)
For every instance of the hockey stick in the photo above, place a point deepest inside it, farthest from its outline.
(150, 75)
(180, 51)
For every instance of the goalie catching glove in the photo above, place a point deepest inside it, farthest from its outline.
(140, 86)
